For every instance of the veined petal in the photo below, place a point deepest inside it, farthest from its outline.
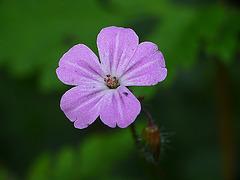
(116, 47)
(77, 64)
(119, 107)
(146, 68)
(82, 105)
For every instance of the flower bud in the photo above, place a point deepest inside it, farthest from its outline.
(152, 139)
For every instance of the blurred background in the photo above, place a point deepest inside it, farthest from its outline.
(197, 105)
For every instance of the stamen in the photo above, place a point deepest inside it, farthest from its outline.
(111, 82)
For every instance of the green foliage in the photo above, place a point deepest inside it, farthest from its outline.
(35, 34)
(6, 175)
(147, 92)
(42, 168)
(65, 165)
(93, 159)
(219, 32)
(223, 40)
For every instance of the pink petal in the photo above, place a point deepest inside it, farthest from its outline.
(119, 106)
(146, 68)
(82, 105)
(79, 64)
(116, 47)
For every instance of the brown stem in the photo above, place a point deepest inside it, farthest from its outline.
(226, 130)
(136, 139)
(145, 112)
(159, 171)
(148, 115)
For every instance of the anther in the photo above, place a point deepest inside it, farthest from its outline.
(111, 82)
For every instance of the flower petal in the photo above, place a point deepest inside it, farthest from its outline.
(146, 68)
(119, 106)
(82, 105)
(79, 64)
(116, 47)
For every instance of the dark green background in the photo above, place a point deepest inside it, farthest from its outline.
(197, 105)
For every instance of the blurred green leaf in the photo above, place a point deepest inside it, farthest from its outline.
(176, 38)
(35, 34)
(224, 43)
(210, 20)
(118, 178)
(65, 165)
(105, 151)
(94, 158)
(41, 168)
(6, 175)
(2, 173)
(147, 91)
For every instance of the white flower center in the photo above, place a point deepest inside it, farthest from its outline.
(111, 82)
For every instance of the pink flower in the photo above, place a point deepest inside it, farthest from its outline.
(101, 86)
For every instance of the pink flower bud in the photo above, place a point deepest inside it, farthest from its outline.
(152, 139)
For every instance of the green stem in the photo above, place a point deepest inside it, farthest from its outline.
(135, 135)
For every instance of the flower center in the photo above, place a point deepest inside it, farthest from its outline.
(111, 82)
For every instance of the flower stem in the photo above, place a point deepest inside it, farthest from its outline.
(148, 115)
(137, 139)
(138, 145)
(159, 171)
(145, 111)
(227, 134)
(135, 135)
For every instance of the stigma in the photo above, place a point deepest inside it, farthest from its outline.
(111, 82)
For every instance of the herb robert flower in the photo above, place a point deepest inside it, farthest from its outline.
(101, 86)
